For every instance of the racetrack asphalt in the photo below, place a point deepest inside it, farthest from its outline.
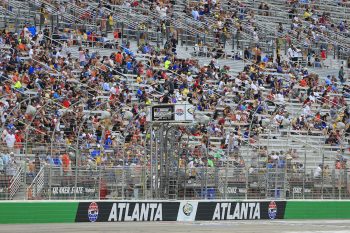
(259, 226)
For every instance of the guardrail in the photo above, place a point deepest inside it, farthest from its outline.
(228, 180)
(15, 183)
(36, 187)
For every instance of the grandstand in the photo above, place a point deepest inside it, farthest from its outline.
(268, 83)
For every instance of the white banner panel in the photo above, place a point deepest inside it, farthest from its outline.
(187, 211)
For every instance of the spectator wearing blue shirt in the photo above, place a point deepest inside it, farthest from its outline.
(31, 70)
(328, 80)
(195, 14)
(106, 86)
(108, 142)
(96, 152)
(56, 95)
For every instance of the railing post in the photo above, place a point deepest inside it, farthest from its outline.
(144, 175)
(333, 183)
(25, 180)
(206, 180)
(157, 37)
(185, 180)
(123, 180)
(99, 183)
(226, 179)
(76, 173)
(233, 41)
(277, 191)
(50, 179)
(151, 155)
(342, 177)
(247, 182)
(322, 174)
(304, 176)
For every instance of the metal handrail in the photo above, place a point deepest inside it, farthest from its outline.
(15, 183)
(32, 188)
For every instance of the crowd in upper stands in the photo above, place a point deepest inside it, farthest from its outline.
(55, 91)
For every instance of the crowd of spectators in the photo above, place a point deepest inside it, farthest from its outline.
(60, 94)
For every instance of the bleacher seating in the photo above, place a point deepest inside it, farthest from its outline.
(68, 94)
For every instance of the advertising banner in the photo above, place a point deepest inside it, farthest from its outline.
(187, 211)
(240, 210)
(127, 211)
(115, 211)
(170, 113)
(184, 112)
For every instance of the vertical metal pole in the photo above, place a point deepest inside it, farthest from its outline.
(155, 164)
(346, 181)
(123, 176)
(185, 180)
(206, 180)
(246, 183)
(304, 176)
(25, 181)
(340, 182)
(158, 39)
(138, 37)
(76, 173)
(285, 180)
(99, 183)
(160, 175)
(322, 174)
(50, 180)
(144, 175)
(276, 181)
(333, 183)
(233, 41)
(226, 170)
(267, 169)
(151, 167)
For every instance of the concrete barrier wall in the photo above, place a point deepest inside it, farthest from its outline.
(115, 211)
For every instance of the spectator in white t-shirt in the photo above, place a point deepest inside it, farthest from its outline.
(10, 140)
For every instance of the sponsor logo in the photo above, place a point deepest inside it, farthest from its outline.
(180, 112)
(241, 211)
(72, 190)
(93, 212)
(232, 190)
(187, 209)
(299, 190)
(272, 210)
